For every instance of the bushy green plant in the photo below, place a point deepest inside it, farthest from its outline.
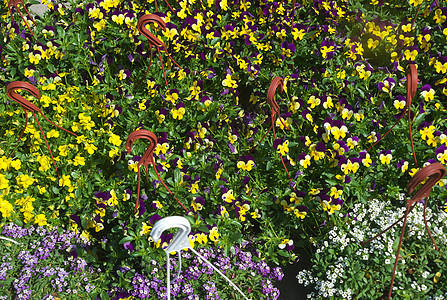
(344, 69)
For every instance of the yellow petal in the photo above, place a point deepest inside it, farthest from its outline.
(436, 278)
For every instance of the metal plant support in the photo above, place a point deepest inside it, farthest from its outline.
(154, 41)
(179, 242)
(28, 106)
(147, 159)
(9, 240)
(412, 83)
(277, 83)
(16, 3)
(432, 173)
(166, 1)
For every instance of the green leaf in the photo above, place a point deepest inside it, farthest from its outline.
(190, 219)
(104, 295)
(8, 281)
(169, 181)
(84, 222)
(236, 236)
(203, 228)
(284, 253)
(77, 193)
(331, 182)
(125, 240)
(152, 174)
(360, 91)
(396, 244)
(116, 229)
(214, 41)
(234, 222)
(270, 250)
(177, 176)
(51, 68)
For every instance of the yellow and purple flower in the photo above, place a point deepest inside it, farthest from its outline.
(327, 49)
(387, 85)
(246, 163)
(385, 157)
(286, 244)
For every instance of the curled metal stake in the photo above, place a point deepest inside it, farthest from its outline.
(147, 159)
(154, 41)
(179, 242)
(433, 173)
(166, 3)
(28, 106)
(412, 83)
(277, 83)
(16, 3)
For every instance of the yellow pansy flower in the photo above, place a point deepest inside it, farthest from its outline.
(385, 158)
(24, 181)
(115, 140)
(228, 196)
(65, 181)
(40, 220)
(79, 161)
(283, 148)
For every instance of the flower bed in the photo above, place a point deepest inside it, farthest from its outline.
(280, 173)
(43, 264)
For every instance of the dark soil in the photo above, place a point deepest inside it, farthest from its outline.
(289, 287)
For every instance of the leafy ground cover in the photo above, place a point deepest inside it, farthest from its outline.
(343, 65)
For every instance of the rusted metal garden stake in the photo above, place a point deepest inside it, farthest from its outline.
(28, 106)
(166, 3)
(412, 83)
(433, 173)
(417, 12)
(293, 12)
(16, 3)
(153, 40)
(147, 159)
(277, 83)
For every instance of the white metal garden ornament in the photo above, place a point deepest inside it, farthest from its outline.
(179, 242)
(9, 240)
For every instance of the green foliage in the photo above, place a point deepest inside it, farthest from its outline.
(344, 69)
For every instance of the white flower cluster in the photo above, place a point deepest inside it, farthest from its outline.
(440, 297)
(366, 222)
(327, 288)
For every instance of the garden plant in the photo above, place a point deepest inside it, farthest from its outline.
(271, 126)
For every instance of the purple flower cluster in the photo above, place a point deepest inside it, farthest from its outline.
(4, 267)
(38, 260)
(199, 281)
(211, 291)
